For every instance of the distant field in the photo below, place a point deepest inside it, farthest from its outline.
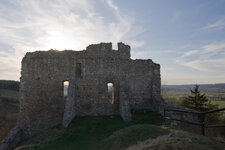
(220, 103)
(174, 94)
(9, 93)
(9, 108)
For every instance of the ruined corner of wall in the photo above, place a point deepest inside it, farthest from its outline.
(15, 136)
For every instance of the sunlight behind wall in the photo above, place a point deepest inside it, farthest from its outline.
(59, 40)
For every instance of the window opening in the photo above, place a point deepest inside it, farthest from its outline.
(110, 92)
(65, 88)
(78, 70)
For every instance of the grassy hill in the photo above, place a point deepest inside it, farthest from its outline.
(95, 133)
(108, 133)
(111, 133)
(9, 106)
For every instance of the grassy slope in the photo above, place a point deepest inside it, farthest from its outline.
(95, 133)
(8, 111)
(105, 133)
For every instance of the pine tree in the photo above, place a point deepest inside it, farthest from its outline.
(199, 102)
(196, 100)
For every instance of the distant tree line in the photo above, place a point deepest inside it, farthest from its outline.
(9, 85)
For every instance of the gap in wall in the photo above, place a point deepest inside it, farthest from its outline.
(110, 92)
(65, 88)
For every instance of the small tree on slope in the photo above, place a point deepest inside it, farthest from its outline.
(196, 100)
(199, 102)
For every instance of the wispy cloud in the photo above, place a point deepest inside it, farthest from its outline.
(213, 47)
(206, 65)
(112, 5)
(219, 24)
(210, 57)
(189, 53)
(68, 24)
(136, 43)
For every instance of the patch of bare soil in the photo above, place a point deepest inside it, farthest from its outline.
(24, 146)
(180, 141)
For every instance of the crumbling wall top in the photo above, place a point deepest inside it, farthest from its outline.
(105, 50)
(101, 50)
(101, 47)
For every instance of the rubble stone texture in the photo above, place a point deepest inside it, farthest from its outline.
(136, 85)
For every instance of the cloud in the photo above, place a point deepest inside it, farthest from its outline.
(213, 47)
(189, 53)
(135, 43)
(112, 5)
(123, 24)
(208, 57)
(68, 24)
(206, 65)
(219, 24)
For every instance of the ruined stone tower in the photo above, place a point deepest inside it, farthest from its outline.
(43, 104)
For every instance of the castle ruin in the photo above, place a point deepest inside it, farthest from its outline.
(45, 103)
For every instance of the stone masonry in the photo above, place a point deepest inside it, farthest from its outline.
(43, 105)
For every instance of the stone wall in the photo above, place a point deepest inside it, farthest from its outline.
(42, 103)
(88, 72)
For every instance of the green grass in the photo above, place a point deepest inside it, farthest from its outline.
(220, 103)
(9, 93)
(95, 133)
(105, 133)
(129, 136)
(9, 108)
(5, 127)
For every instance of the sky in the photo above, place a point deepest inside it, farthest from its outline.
(186, 37)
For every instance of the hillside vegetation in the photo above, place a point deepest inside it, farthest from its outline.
(95, 133)
(145, 132)
(111, 133)
(9, 106)
(9, 85)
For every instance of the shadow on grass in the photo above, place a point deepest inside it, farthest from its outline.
(90, 133)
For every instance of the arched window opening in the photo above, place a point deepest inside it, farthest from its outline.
(65, 88)
(110, 92)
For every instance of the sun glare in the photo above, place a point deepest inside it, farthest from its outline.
(60, 41)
